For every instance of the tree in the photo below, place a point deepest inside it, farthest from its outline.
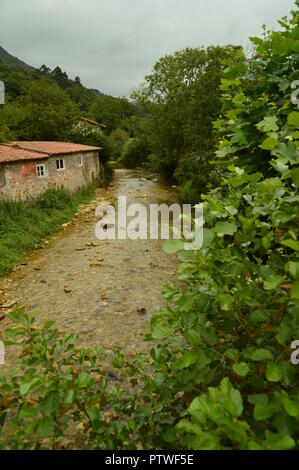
(49, 114)
(117, 139)
(45, 70)
(222, 373)
(111, 111)
(182, 95)
(60, 77)
(135, 153)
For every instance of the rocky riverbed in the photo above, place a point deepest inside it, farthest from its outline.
(105, 291)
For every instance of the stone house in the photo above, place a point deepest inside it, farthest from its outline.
(89, 125)
(30, 168)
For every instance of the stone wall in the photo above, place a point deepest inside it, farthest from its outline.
(19, 180)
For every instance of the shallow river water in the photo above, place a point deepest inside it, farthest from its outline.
(105, 291)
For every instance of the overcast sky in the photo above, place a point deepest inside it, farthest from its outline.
(113, 44)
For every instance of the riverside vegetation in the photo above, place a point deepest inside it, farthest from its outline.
(24, 224)
(219, 375)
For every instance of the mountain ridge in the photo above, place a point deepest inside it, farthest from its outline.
(13, 61)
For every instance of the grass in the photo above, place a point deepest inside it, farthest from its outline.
(23, 225)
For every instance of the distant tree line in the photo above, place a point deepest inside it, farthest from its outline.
(46, 104)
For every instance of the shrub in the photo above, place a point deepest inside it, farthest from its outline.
(117, 140)
(135, 153)
(222, 375)
(59, 398)
(196, 175)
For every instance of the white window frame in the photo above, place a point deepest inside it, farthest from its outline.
(41, 170)
(58, 164)
(80, 161)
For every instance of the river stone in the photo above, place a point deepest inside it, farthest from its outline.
(141, 310)
(9, 304)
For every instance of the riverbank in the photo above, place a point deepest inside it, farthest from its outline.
(104, 291)
(24, 225)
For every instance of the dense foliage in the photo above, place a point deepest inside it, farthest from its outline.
(60, 398)
(111, 111)
(117, 140)
(220, 374)
(222, 371)
(45, 112)
(182, 97)
(46, 104)
(135, 153)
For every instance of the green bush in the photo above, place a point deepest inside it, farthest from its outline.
(165, 166)
(135, 153)
(60, 397)
(117, 140)
(222, 375)
(196, 175)
(182, 99)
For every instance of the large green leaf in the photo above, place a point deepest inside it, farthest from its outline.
(293, 119)
(27, 386)
(269, 123)
(226, 301)
(173, 246)
(45, 426)
(272, 282)
(273, 372)
(262, 412)
(241, 369)
(262, 355)
(225, 228)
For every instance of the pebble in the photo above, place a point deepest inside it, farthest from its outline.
(95, 264)
(141, 310)
(9, 304)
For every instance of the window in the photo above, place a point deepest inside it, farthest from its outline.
(41, 171)
(2, 176)
(60, 164)
(80, 161)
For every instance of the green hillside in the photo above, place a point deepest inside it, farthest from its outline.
(8, 59)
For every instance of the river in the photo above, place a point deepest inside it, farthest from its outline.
(104, 291)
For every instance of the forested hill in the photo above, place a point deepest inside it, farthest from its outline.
(45, 104)
(8, 59)
(13, 78)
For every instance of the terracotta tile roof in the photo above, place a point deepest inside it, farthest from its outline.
(93, 123)
(55, 148)
(25, 150)
(11, 154)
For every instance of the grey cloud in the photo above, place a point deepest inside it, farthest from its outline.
(112, 44)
